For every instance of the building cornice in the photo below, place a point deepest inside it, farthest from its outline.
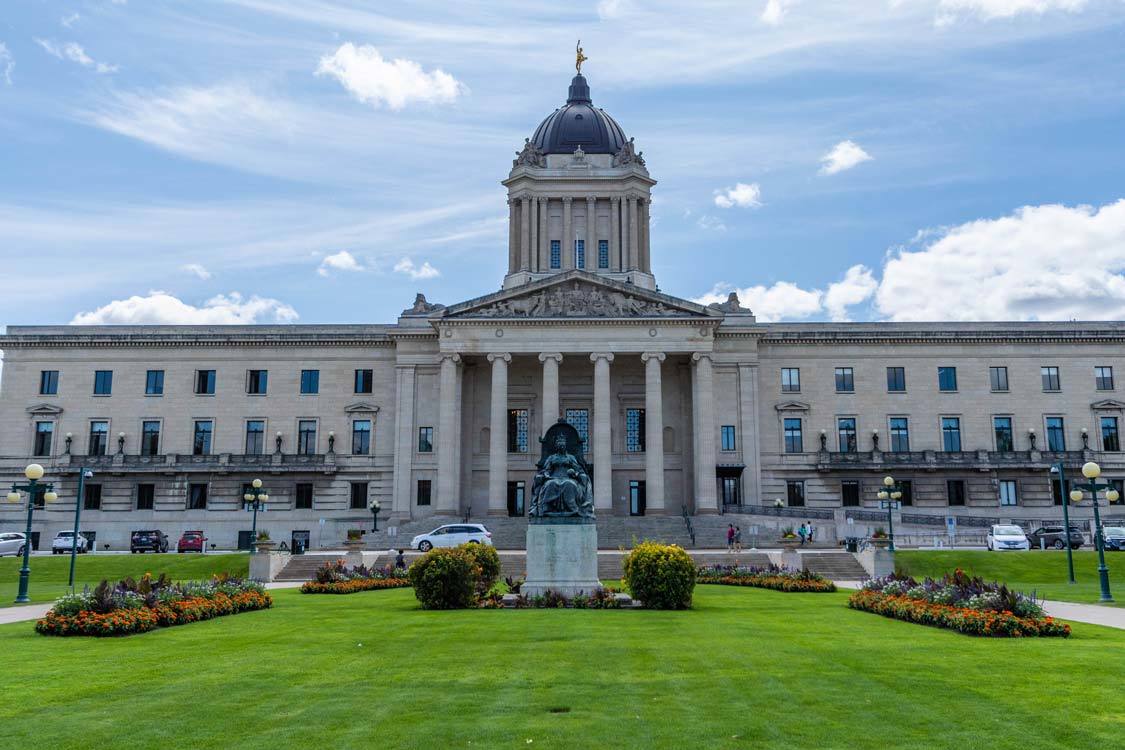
(835, 334)
(96, 337)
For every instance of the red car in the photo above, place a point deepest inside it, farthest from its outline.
(191, 541)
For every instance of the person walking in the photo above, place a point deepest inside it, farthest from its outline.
(400, 560)
(811, 533)
(738, 539)
(730, 537)
(801, 532)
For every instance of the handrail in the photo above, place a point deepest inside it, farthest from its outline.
(687, 522)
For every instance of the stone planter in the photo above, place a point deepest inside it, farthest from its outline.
(789, 544)
(354, 555)
(264, 547)
(880, 542)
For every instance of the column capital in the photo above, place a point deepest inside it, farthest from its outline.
(567, 199)
(542, 199)
(591, 198)
(551, 355)
(607, 356)
(700, 356)
(452, 357)
(504, 356)
(615, 199)
(658, 356)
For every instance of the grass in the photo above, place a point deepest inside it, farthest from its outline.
(49, 574)
(746, 668)
(1041, 571)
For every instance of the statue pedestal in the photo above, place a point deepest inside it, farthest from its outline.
(562, 557)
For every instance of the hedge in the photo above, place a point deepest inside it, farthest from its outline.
(660, 576)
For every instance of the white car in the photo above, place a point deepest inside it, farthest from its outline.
(64, 541)
(452, 535)
(11, 543)
(1001, 537)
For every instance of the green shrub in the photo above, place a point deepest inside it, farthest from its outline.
(661, 576)
(444, 579)
(487, 564)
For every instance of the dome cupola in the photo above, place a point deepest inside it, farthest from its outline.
(579, 123)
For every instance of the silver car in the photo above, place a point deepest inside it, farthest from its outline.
(11, 543)
(452, 535)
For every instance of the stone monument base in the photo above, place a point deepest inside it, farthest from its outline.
(562, 557)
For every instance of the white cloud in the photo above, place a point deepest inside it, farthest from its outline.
(774, 12)
(425, 271)
(782, 301)
(75, 53)
(197, 269)
(741, 195)
(711, 223)
(7, 63)
(70, 20)
(394, 83)
(341, 261)
(161, 308)
(843, 156)
(609, 9)
(857, 286)
(950, 10)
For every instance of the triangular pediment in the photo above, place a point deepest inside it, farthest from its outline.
(361, 407)
(44, 410)
(1108, 404)
(577, 294)
(792, 406)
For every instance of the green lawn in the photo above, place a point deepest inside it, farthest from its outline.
(746, 668)
(50, 574)
(1041, 571)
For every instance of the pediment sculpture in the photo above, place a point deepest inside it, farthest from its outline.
(562, 488)
(530, 156)
(628, 155)
(732, 305)
(577, 301)
(422, 307)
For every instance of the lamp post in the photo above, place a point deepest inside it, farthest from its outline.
(255, 498)
(1058, 469)
(889, 498)
(375, 508)
(33, 488)
(83, 475)
(1092, 471)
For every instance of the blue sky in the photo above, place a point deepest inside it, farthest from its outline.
(322, 161)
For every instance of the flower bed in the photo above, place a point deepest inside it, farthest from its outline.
(772, 577)
(130, 606)
(959, 602)
(337, 578)
(604, 599)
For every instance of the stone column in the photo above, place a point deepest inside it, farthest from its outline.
(513, 236)
(591, 232)
(525, 228)
(567, 244)
(404, 441)
(498, 436)
(748, 406)
(533, 238)
(551, 363)
(449, 433)
(543, 252)
(646, 261)
(706, 500)
(603, 448)
(614, 234)
(634, 251)
(654, 433)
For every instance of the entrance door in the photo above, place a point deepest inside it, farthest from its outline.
(244, 539)
(516, 492)
(636, 498)
(299, 542)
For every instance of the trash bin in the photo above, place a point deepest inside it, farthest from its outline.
(851, 544)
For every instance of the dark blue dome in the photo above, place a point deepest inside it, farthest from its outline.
(579, 123)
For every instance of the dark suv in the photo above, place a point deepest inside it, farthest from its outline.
(1053, 536)
(153, 540)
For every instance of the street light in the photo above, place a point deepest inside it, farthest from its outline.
(1092, 471)
(889, 498)
(83, 475)
(1058, 469)
(375, 507)
(33, 488)
(256, 497)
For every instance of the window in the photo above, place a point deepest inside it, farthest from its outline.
(998, 378)
(579, 419)
(1008, 495)
(790, 380)
(794, 443)
(947, 378)
(955, 491)
(364, 381)
(49, 383)
(361, 437)
(1002, 429)
(255, 437)
(795, 493)
(603, 253)
(425, 489)
(197, 497)
(103, 382)
(634, 430)
(154, 383)
(205, 382)
(257, 381)
(92, 497)
(1050, 376)
(146, 496)
(425, 439)
(900, 434)
(726, 437)
(303, 496)
(1103, 378)
(310, 382)
(201, 443)
(907, 488)
(44, 431)
(951, 434)
(1056, 434)
(556, 254)
(896, 379)
(306, 437)
(580, 253)
(845, 380)
(99, 438)
(1110, 441)
(358, 496)
(849, 494)
(517, 430)
(846, 435)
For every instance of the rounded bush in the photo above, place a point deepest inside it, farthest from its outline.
(444, 579)
(661, 576)
(487, 564)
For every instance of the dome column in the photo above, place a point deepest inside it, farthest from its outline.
(525, 229)
(533, 236)
(542, 253)
(513, 236)
(568, 236)
(634, 245)
(591, 232)
(614, 234)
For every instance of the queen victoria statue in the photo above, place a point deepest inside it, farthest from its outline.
(562, 487)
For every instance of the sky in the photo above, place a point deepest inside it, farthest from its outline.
(321, 161)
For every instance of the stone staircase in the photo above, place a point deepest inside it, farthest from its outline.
(302, 567)
(837, 566)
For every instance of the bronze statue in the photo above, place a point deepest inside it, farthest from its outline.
(579, 58)
(562, 486)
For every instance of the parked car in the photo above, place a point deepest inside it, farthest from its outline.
(1053, 536)
(1114, 537)
(452, 535)
(1002, 537)
(65, 541)
(11, 543)
(192, 541)
(153, 540)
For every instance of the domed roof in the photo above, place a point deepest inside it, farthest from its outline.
(579, 123)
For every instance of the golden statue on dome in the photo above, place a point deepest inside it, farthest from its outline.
(579, 58)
